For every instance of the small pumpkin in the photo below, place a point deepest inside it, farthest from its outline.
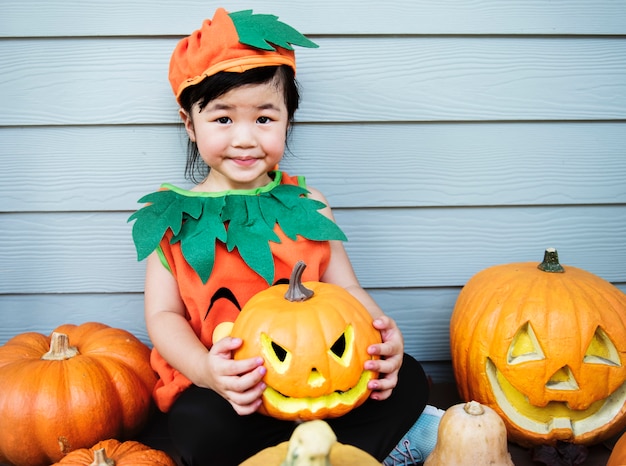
(314, 339)
(115, 453)
(618, 455)
(312, 443)
(545, 346)
(70, 390)
(470, 434)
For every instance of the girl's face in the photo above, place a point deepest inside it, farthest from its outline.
(240, 135)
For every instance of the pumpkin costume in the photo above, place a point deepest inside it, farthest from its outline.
(223, 248)
(254, 237)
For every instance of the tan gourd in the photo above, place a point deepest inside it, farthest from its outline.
(470, 434)
(312, 443)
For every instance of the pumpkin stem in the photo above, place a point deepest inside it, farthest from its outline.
(100, 458)
(474, 408)
(60, 348)
(551, 262)
(297, 291)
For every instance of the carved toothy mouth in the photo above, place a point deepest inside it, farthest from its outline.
(331, 401)
(556, 414)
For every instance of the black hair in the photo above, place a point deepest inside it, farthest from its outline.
(219, 84)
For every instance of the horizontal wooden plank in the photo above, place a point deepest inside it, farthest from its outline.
(43, 313)
(124, 81)
(390, 248)
(34, 18)
(445, 247)
(426, 340)
(422, 315)
(410, 165)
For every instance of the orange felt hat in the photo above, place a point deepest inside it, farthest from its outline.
(233, 42)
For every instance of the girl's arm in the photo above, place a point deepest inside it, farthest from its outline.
(391, 350)
(239, 382)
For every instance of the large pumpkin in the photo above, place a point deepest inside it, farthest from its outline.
(115, 453)
(70, 390)
(545, 346)
(314, 339)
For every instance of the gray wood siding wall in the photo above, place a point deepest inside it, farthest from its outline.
(448, 136)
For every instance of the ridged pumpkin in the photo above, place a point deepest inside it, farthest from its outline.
(314, 339)
(115, 453)
(70, 390)
(544, 346)
(618, 455)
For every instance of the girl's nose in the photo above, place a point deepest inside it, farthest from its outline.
(243, 136)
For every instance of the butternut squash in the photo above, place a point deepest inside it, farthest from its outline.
(470, 434)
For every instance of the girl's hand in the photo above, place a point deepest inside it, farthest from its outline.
(391, 352)
(238, 381)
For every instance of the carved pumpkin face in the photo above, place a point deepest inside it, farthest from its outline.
(547, 350)
(314, 349)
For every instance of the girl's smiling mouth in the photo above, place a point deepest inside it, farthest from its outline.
(244, 161)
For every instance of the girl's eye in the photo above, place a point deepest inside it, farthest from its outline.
(263, 120)
(223, 120)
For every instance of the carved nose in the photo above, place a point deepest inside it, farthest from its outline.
(563, 379)
(316, 379)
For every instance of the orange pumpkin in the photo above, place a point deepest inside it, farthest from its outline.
(545, 346)
(70, 390)
(618, 455)
(314, 339)
(114, 453)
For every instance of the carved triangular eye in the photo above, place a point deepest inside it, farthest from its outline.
(601, 350)
(339, 347)
(524, 346)
(341, 350)
(279, 351)
(276, 355)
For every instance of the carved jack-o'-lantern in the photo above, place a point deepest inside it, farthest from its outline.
(546, 348)
(314, 341)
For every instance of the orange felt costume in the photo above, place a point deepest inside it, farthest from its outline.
(222, 248)
(294, 231)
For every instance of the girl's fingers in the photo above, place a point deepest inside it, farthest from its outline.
(248, 401)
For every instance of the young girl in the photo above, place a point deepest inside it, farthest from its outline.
(211, 248)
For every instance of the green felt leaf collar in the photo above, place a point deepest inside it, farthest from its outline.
(242, 220)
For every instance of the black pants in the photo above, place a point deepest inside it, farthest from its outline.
(207, 431)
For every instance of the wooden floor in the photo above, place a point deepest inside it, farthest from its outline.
(442, 396)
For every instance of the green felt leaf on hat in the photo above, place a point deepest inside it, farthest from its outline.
(260, 30)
